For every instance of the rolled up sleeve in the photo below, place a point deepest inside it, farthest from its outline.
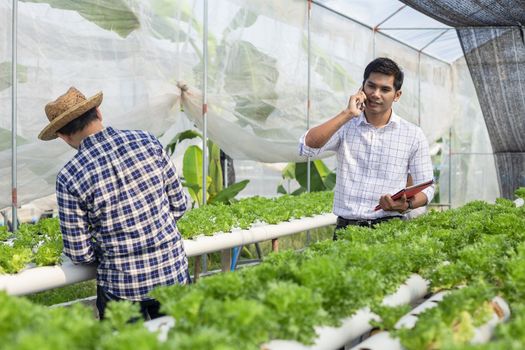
(74, 226)
(331, 145)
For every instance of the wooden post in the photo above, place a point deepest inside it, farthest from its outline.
(275, 245)
(226, 260)
(197, 269)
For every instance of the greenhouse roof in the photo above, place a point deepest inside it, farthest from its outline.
(401, 22)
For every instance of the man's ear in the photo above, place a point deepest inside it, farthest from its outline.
(64, 137)
(99, 114)
(397, 96)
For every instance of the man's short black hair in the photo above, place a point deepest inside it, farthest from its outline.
(385, 66)
(78, 124)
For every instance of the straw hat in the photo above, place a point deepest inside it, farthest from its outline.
(64, 109)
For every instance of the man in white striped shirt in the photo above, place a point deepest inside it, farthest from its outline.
(376, 150)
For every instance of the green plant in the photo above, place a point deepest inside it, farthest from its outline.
(40, 243)
(520, 192)
(4, 233)
(291, 292)
(193, 172)
(321, 178)
(64, 294)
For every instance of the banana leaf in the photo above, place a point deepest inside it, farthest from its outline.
(113, 15)
(226, 195)
(6, 72)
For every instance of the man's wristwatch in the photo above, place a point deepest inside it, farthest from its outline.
(410, 207)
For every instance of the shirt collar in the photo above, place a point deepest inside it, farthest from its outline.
(100, 136)
(394, 119)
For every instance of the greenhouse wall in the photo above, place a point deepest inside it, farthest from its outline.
(141, 52)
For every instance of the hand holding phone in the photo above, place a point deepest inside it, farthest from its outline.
(357, 103)
(361, 104)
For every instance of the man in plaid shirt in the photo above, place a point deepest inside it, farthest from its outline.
(375, 149)
(119, 199)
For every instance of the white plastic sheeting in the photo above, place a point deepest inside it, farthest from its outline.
(257, 79)
(58, 49)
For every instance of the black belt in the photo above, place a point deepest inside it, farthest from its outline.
(342, 222)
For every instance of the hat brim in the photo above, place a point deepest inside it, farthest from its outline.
(49, 132)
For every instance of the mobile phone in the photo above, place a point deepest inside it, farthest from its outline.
(362, 105)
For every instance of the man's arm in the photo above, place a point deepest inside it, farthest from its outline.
(74, 226)
(176, 196)
(318, 136)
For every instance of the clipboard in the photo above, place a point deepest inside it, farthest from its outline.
(410, 192)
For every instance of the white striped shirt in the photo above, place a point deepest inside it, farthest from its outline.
(374, 161)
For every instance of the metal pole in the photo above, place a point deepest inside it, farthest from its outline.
(205, 117)
(225, 171)
(450, 168)
(376, 27)
(419, 88)
(373, 44)
(205, 103)
(14, 82)
(309, 164)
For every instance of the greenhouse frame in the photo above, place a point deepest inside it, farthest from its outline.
(230, 86)
(429, 51)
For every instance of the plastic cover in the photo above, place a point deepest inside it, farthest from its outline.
(139, 53)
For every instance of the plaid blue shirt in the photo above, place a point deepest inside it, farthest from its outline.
(119, 199)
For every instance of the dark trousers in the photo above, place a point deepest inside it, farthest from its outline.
(148, 308)
(370, 223)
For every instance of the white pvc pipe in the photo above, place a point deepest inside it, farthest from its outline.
(482, 334)
(414, 288)
(208, 244)
(381, 340)
(410, 319)
(44, 278)
(162, 325)
(331, 337)
(352, 327)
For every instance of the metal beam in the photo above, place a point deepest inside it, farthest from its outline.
(433, 40)
(372, 28)
(376, 27)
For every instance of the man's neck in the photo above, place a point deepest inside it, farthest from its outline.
(89, 130)
(378, 120)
